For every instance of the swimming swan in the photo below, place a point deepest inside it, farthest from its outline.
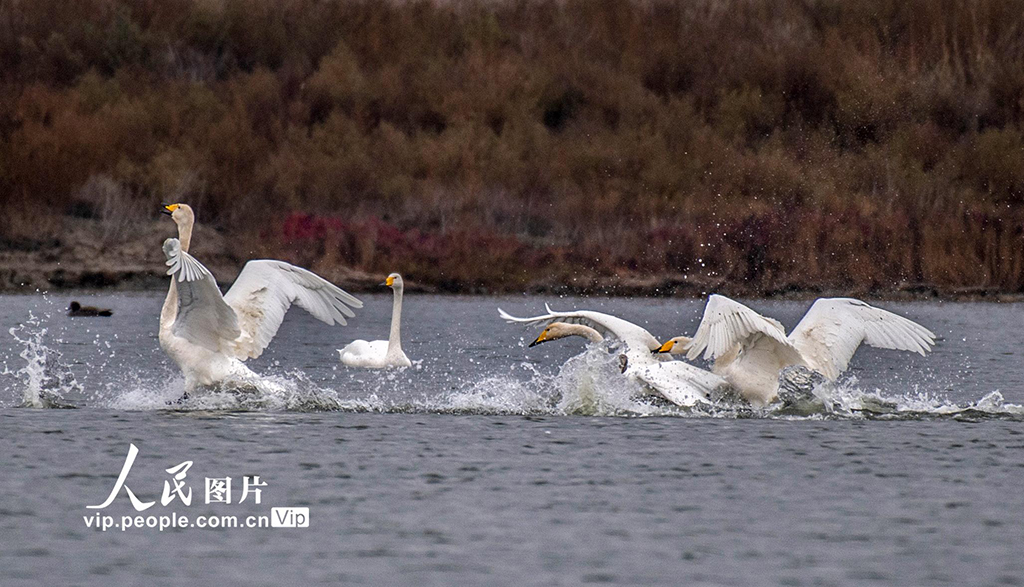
(750, 350)
(209, 335)
(678, 382)
(381, 353)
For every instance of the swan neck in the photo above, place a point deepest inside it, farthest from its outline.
(395, 340)
(170, 308)
(589, 333)
(580, 330)
(185, 234)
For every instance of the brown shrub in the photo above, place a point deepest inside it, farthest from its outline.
(767, 144)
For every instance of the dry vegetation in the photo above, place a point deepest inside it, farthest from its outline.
(751, 145)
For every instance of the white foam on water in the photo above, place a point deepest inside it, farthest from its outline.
(292, 392)
(846, 399)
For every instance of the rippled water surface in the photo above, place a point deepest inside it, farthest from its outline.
(491, 463)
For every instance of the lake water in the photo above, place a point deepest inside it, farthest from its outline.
(491, 463)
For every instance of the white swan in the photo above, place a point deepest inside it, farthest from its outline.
(678, 382)
(750, 350)
(381, 353)
(208, 335)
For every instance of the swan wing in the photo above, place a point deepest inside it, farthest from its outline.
(265, 290)
(832, 330)
(727, 323)
(203, 317)
(681, 383)
(635, 337)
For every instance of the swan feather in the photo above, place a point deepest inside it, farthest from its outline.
(727, 323)
(680, 383)
(203, 317)
(266, 289)
(832, 330)
(366, 354)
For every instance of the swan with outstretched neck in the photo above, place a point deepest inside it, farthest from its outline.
(676, 381)
(378, 354)
(209, 335)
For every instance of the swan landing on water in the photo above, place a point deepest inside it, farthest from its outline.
(381, 353)
(678, 382)
(209, 335)
(751, 351)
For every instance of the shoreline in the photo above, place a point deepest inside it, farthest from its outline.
(79, 257)
(58, 281)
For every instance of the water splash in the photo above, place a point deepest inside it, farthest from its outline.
(292, 392)
(588, 384)
(846, 399)
(45, 377)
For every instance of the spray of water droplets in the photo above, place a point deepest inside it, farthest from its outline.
(589, 384)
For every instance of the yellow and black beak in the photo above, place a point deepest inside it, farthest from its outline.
(542, 338)
(390, 281)
(667, 347)
(168, 209)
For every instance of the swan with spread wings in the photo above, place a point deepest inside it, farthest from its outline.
(209, 335)
(750, 350)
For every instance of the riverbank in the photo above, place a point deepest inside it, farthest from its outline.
(82, 254)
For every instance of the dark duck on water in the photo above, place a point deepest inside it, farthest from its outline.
(77, 310)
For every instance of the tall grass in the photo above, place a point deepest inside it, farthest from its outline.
(747, 144)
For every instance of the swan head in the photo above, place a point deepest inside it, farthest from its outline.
(181, 214)
(557, 330)
(551, 332)
(676, 346)
(393, 281)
